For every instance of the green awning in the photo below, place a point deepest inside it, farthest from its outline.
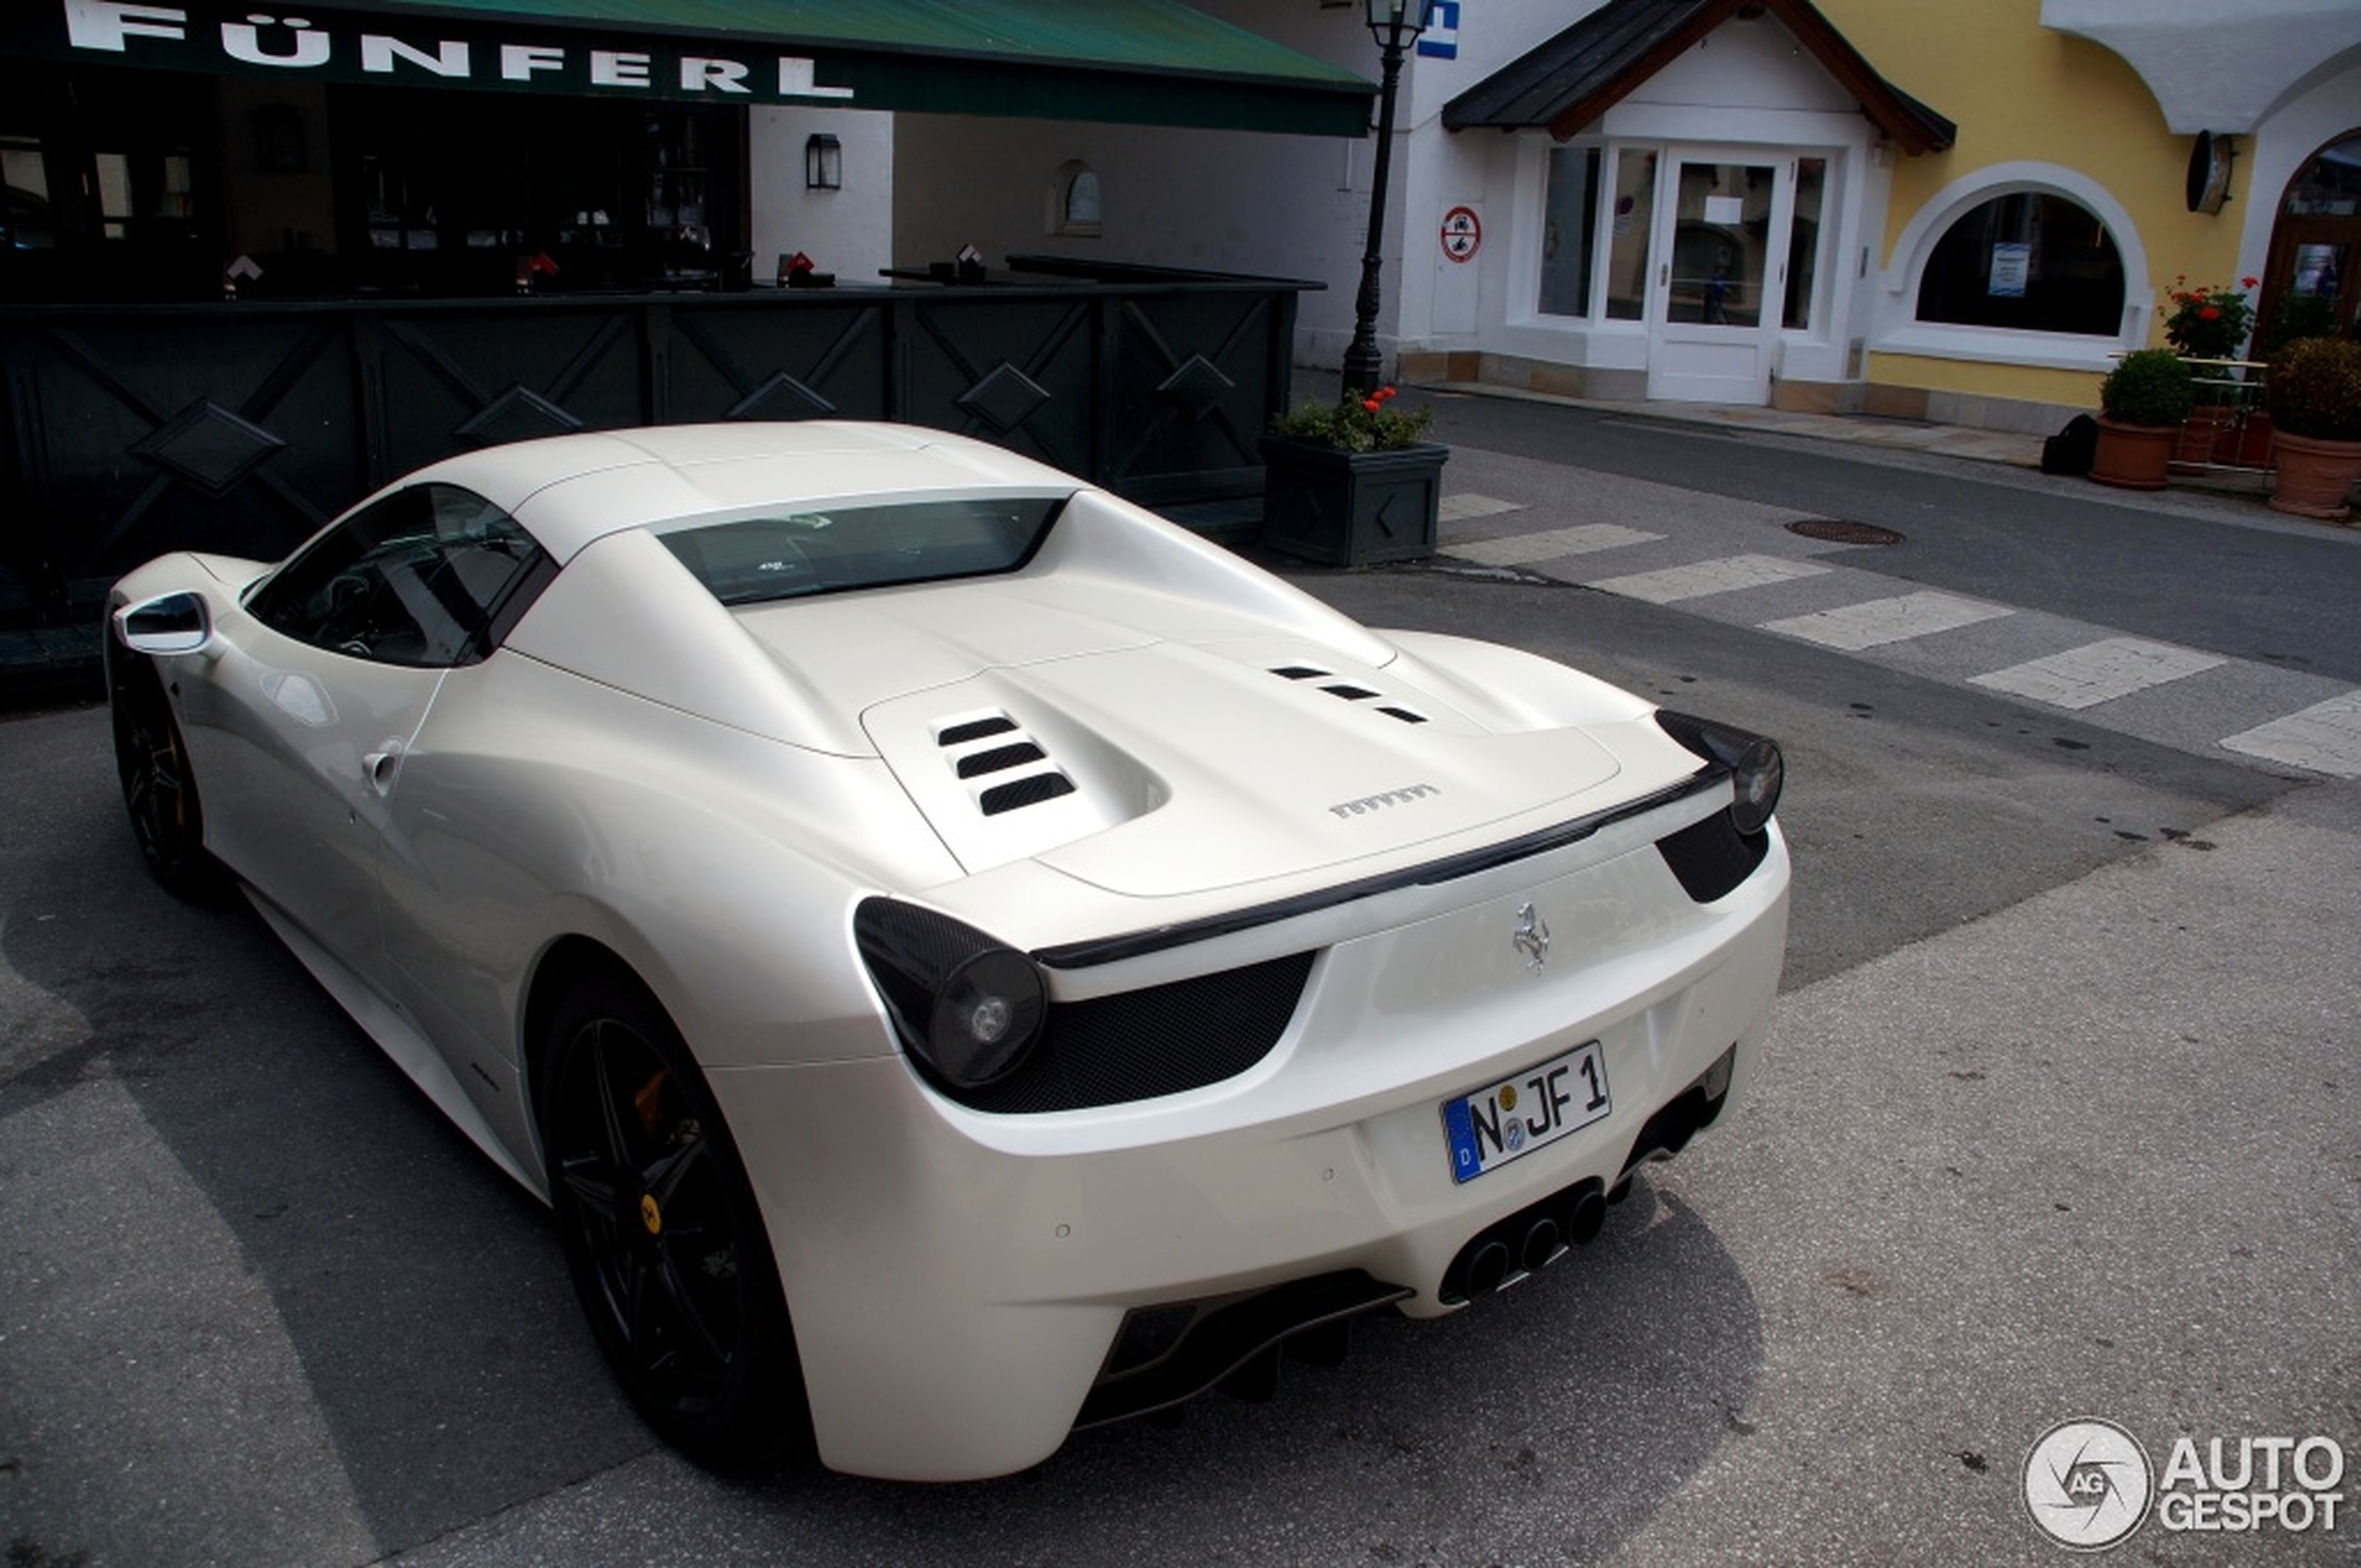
(1127, 62)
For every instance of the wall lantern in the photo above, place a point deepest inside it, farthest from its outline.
(824, 164)
(2209, 158)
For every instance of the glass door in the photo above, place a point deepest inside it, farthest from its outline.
(1717, 300)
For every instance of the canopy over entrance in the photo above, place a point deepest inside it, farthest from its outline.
(1567, 82)
(1127, 62)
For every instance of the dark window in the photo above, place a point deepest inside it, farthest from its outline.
(109, 185)
(421, 577)
(2029, 261)
(452, 193)
(24, 196)
(870, 546)
(1569, 226)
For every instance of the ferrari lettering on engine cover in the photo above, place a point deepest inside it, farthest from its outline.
(1391, 797)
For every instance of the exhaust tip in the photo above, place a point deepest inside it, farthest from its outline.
(1590, 1215)
(1543, 1245)
(1487, 1267)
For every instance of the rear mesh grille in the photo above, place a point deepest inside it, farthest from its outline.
(1712, 857)
(1165, 1039)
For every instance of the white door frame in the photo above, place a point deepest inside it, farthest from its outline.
(1698, 361)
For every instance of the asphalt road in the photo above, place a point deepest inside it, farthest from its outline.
(2057, 1123)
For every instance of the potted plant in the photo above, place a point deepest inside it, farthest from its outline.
(2142, 405)
(1354, 483)
(2314, 388)
(2208, 326)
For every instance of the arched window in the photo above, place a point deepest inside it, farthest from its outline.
(2029, 261)
(1073, 201)
(2310, 289)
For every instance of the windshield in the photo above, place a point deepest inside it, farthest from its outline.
(864, 545)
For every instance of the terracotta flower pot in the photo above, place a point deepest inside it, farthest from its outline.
(2133, 457)
(2314, 477)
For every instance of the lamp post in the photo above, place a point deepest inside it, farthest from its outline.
(1394, 23)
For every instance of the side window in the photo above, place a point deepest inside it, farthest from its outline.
(424, 577)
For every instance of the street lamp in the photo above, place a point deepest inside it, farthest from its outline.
(1394, 23)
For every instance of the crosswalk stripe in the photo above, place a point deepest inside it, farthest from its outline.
(2324, 738)
(1467, 504)
(1876, 622)
(2098, 672)
(1696, 581)
(1524, 548)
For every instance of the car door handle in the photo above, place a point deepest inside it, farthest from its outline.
(379, 767)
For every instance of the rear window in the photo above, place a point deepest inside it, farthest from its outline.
(867, 545)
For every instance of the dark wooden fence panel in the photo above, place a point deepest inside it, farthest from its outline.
(127, 431)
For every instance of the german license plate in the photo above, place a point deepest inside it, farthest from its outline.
(1533, 1110)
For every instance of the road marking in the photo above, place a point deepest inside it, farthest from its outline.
(2325, 737)
(1727, 576)
(2099, 673)
(1523, 549)
(1460, 507)
(1880, 621)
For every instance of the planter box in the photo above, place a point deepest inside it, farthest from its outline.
(1351, 509)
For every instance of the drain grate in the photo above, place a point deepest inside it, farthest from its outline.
(1839, 531)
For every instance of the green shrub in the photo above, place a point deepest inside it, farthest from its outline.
(1354, 422)
(2316, 388)
(2149, 387)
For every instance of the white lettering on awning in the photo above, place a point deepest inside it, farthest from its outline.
(103, 24)
(609, 69)
(243, 41)
(799, 78)
(379, 54)
(699, 72)
(519, 61)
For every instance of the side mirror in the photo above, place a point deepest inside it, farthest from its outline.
(176, 623)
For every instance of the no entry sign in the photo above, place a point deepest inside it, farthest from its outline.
(1462, 233)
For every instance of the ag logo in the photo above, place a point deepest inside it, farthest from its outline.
(2088, 1485)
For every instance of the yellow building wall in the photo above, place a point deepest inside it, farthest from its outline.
(2019, 91)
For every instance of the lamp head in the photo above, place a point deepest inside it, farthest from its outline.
(1401, 19)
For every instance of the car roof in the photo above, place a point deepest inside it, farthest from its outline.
(570, 490)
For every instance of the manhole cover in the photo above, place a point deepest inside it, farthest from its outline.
(1838, 531)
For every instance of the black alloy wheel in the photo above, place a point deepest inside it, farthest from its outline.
(158, 787)
(662, 1232)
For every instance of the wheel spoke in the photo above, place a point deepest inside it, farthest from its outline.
(662, 1179)
(691, 1314)
(591, 1181)
(605, 1090)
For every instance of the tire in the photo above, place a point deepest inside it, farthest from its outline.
(662, 1233)
(159, 789)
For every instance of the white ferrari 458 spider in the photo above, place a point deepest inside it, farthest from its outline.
(964, 960)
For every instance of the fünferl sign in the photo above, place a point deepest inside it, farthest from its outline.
(329, 45)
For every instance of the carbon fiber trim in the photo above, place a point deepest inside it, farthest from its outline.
(1131, 944)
